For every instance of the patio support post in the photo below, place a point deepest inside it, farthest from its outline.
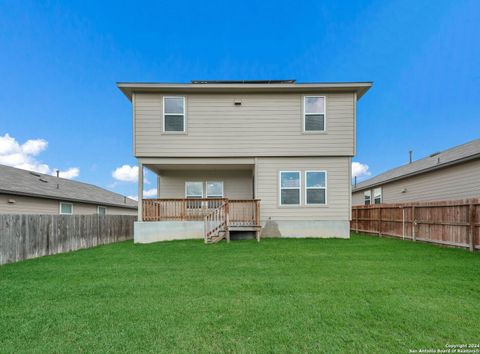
(140, 191)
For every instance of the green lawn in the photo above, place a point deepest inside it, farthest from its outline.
(366, 294)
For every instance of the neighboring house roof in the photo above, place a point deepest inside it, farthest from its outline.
(244, 86)
(22, 182)
(435, 161)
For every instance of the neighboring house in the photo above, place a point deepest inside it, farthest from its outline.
(448, 175)
(269, 156)
(27, 192)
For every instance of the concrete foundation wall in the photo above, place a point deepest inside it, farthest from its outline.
(307, 228)
(148, 231)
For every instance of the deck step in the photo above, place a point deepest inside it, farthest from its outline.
(216, 238)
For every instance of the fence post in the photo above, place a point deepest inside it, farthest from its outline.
(403, 223)
(471, 228)
(414, 237)
(356, 220)
(379, 221)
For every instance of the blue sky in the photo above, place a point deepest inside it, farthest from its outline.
(59, 62)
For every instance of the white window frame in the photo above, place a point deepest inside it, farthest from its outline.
(370, 196)
(299, 188)
(324, 115)
(195, 196)
(381, 195)
(206, 189)
(184, 114)
(325, 188)
(98, 209)
(60, 208)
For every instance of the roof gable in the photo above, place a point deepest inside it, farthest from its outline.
(442, 159)
(23, 182)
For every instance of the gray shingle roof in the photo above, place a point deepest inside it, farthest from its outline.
(23, 182)
(445, 158)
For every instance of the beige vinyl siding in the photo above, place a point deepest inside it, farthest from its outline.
(338, 192)
(264, 125)
(82, 208)
(31, 205)
(120, 211)
(455, 182)
(357, 198)
(27, 205)
(237, 184)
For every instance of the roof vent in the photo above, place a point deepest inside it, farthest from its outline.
(43, 180)
(35, 174)
(434, 154)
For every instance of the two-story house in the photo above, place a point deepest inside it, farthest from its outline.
(273, 157)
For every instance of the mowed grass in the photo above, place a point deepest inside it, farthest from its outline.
(365, 294)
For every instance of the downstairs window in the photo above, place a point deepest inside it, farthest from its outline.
(290, 188)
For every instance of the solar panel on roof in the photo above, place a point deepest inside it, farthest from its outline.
(243, 81)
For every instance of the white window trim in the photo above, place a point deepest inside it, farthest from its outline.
(184, 114)
(373, 195)
(299, 188)
(370, 195)
(60, 208)
(325, 188)
(206, 189)
(98, 209)
(195, 196)
(324, 116)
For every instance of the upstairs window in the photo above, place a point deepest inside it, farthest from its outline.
(315, 187)
(174, 114)
(290, 188)
(101, 210)
(314, 114)
(377, 195)
(367, 197)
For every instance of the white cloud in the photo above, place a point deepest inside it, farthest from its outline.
(34, 147)
(150, 192)
(14, 154)
(126, 173)
(69, 174)
(146, 193)
(360, 170)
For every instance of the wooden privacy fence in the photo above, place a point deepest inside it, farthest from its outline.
(453, 223)
(30, 236)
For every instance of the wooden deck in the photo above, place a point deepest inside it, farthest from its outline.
(220, 215)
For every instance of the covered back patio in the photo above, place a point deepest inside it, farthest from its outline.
(219, 193)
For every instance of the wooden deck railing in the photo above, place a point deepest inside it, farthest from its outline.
(216, 221)
(241, 212)
(244, 212)
(179, 209)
